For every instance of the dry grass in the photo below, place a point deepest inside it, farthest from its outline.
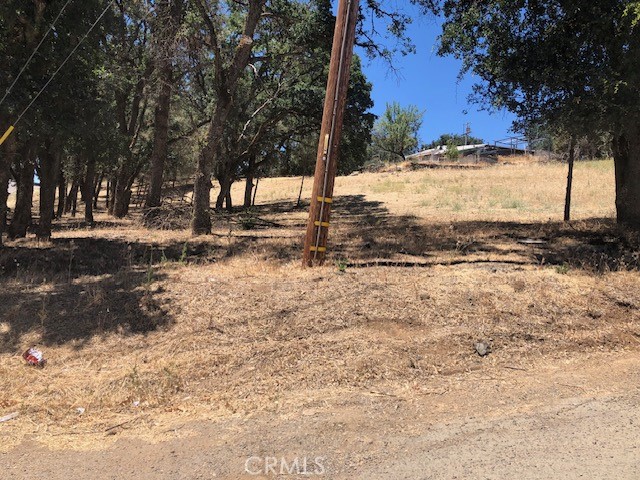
(526, 159)
(523, 191)
(148, 327)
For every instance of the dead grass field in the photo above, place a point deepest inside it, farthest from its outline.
(144, 327)
(519, 192)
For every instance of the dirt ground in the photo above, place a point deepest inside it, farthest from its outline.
(569, 419)
(172, 356)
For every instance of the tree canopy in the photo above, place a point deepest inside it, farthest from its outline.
(219, 90)
(395, 134)
(454, 138)
(570, 63)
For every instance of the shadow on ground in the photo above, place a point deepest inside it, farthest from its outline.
(365, 233)
(73, 288)
(70, 290)
(370, 233)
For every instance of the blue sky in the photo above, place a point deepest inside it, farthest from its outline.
(431, 83)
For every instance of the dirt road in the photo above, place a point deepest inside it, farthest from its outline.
(577, 419)
(596, 439)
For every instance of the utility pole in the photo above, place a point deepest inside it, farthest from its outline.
(467, 132)
(315, 244)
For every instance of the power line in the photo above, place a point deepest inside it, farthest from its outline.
(12, 127)
(64, 62)
(26, 64)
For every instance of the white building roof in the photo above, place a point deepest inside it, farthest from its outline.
(440, 150)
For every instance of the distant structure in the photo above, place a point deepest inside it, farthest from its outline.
(480, 153)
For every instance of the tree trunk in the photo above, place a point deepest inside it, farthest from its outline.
(4, 194)
(121, 196)
(73, 193)
(226, 80)
(110, 192)
(224, 197)
(161, 132)
(49, 169)
(121, 199)
(255, 192)
(21, 219)
(201, 222)
(572, 158)
(220, 200)
(248, 190)
(74, 201)
(98, 188)
(626, 155)
(7, 154)
(62, 193)
(168, 20)
(300, 193)
(88, 191)
(228, 200)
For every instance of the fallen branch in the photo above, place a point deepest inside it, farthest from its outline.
(382, 394)
(510, 367)
(11, 416)
(124, 423)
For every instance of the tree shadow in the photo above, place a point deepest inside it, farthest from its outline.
(369, 233)
(77, 223)
(69, 291)
(365, 233)
(73, 257)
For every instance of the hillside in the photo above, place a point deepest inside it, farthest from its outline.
(145, 330)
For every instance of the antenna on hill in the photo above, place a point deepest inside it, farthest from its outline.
(467, 132)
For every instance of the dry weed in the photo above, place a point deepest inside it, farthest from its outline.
(145, 326)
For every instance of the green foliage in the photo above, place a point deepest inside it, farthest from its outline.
(184, 253)
(278, 106)
(358, 121)
(248, 220)
(452, 152)
(342, 265)
(101, 106)
(395, 134)
(68, 103)
(456, 139)
(632, 13)
(570, 63)
(590, 144)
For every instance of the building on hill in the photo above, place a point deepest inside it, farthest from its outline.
(480, 153)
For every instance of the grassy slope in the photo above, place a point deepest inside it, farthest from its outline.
(152, 326)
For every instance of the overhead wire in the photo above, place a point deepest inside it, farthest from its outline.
(51, 78)
(33, 54)
(64, 62)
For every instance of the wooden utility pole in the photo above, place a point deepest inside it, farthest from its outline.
(572, 158)
(315, 244)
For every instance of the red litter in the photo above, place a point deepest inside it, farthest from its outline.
(34, 357)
